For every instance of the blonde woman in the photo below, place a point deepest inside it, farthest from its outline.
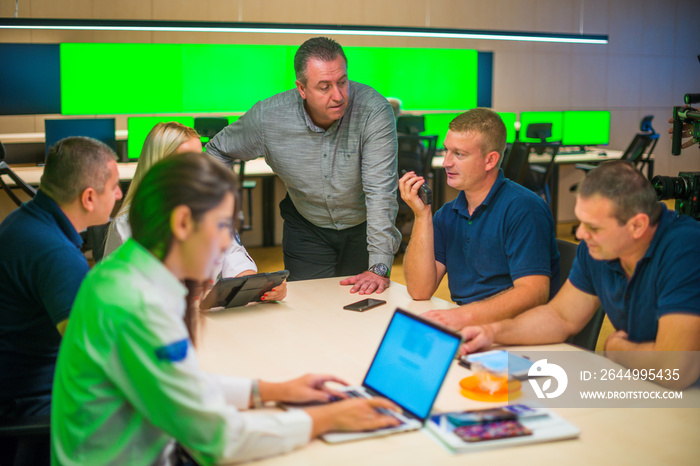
(163, 140)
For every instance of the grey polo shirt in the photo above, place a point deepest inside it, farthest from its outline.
(336, 178)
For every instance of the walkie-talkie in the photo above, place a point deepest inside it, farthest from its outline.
(424, 192)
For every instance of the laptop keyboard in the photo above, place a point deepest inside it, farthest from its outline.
(388, 412)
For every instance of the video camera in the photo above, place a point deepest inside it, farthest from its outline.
(684, 188)
(685, 116)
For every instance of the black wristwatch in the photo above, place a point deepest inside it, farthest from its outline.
(380, 269)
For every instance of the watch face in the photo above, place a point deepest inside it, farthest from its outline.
(380, 269)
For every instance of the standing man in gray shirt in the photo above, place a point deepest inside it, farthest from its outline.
(333, 144)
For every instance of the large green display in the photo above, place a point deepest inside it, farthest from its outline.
(198, 78)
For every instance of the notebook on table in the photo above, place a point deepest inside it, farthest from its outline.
(408, 368)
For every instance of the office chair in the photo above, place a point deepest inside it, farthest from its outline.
(247, 186)
(25, 441)
(208, 128)
(638, 152)
(516, 163)
(588, 336)
(410, 124)
(19, 183)
(415, 154)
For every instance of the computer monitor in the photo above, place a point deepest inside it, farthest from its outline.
(555, 118)
(102, 129)
(139, 127)
(410, 124)
(586, 128)
(509, 120)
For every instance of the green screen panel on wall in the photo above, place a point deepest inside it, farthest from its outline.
(225, 81)
(200, 78)
(527, 118)
(139, 127)
(434, 79)
(586, 128)
(121, 78)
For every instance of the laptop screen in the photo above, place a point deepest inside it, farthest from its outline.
(412, 362)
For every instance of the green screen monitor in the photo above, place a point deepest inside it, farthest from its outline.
(438, 123)
(527, 118)
(139, 127)
(586, 128)
(509, 120)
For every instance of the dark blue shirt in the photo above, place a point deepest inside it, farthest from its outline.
(509, 236)
(665, 281)
(40, 273)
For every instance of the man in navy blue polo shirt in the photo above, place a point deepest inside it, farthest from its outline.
(638, 260)
(495, 241)
(42, 268)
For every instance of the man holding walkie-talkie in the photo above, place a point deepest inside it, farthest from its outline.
(495, 241)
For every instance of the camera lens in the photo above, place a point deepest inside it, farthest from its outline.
(670, 187)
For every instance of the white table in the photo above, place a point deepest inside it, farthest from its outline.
(310, 332)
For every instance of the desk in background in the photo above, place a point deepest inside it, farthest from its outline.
(310, 332)
(256, 168)
(590, 156)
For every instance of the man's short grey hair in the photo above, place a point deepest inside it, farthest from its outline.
(73, 165)
(629, 191)
(318, 48)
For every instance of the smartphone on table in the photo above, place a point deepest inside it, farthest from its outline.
(364, 305)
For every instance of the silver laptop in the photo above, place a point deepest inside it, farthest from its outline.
(409, 368)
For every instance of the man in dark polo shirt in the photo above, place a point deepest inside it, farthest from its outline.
(641, 263)
(495, 241)
(42, 267)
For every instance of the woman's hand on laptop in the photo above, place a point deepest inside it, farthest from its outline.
(356, 414)
(304, 389)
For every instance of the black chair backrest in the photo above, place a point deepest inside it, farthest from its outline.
(416, 153)
(567, 254)
(516, 163)
(410, 124)
(208, 127)
(588, 336)
(637, 148)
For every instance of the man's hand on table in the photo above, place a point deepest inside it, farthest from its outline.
(453, 318)
(366, 283)
(476, 338)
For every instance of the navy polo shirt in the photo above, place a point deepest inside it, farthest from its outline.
(665, 281)
(40, 273)
(509, 236)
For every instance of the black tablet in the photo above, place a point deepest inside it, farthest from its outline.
(239, 291)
